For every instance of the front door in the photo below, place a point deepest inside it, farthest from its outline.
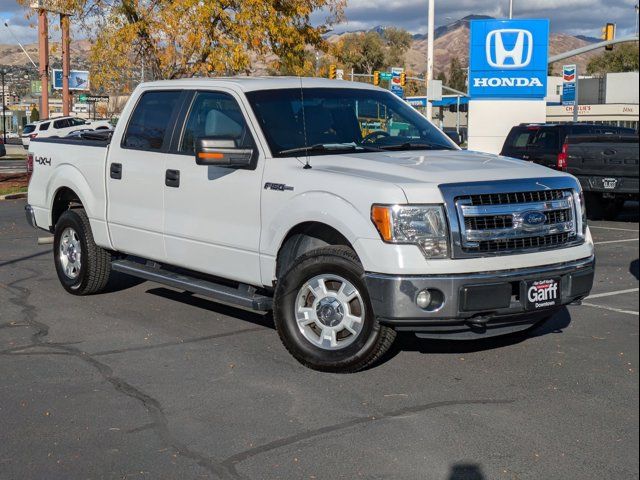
(212, 214)
(135, 176)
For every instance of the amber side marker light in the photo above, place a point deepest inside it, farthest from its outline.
(210, 155)
(381, 217)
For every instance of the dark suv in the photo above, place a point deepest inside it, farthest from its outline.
(544, 143)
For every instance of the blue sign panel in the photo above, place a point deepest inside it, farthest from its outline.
(569, 79)
(78, 80)
(508, 59)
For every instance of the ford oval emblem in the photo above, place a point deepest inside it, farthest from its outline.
(533, 219)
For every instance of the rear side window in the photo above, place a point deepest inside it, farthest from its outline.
(150, 120)
(519, 138)
(44, 126)
(547, 140)
(75, 122)
(61, 123)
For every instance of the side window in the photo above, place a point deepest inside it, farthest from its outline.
(61, 123)
(150, 120)
(214, 114)
(547, 140)
(521, 139)
(77, 121)
(44, 126)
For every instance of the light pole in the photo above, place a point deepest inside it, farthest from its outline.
(6, 24)
(430, 41)
(4, 110)
(510, 9)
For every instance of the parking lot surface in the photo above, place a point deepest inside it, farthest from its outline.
(148, 382)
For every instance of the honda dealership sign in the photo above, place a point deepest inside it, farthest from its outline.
(508, 59)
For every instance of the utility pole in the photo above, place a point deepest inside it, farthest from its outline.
(43, 51)
(576, 103)
(430, 41)
(510, 9)
(4, 110)
(66, 64)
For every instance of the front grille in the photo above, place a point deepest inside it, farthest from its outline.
(520, 243)
(489, 222)
(512, 197)
(558, 216)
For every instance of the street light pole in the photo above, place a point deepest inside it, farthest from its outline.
(510, 9)
(4, 111)
(430, 41)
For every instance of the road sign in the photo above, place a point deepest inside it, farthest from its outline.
(87, 98)
(36, 86)
(434, 90)
(569, 79)
(78, 80)
(386, 76)
(508, 59)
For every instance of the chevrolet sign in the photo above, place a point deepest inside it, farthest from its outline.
(508, 59)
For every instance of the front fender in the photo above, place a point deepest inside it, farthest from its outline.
(314, 206)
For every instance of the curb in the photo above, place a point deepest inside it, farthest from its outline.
(13, 196)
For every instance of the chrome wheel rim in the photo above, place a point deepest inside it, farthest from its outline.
(70, 253)
(330, 312)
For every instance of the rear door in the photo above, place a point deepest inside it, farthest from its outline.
(544, 147)
(135, 175)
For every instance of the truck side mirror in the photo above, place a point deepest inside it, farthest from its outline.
(222, 152)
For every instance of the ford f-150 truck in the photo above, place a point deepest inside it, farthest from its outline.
(334, 204)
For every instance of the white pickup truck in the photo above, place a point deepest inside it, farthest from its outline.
(334, 204)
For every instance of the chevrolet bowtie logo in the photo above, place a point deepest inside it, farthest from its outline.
(518, 56)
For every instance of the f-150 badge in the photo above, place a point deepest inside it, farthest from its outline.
(279, 187)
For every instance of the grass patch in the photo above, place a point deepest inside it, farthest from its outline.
(9, 190)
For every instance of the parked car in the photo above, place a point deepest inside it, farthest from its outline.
(542, 143)
(334, 204)
(59, 127)
(607, 168)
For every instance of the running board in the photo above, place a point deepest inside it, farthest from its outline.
(243, 296)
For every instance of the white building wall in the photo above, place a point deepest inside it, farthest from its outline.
(622, 87)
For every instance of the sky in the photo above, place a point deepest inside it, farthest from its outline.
(576, 17)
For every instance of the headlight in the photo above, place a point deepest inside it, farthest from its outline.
(421, 225)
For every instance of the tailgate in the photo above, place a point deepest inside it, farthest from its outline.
(608, 159)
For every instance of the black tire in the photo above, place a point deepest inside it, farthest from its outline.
(368, 346)
(95, 264)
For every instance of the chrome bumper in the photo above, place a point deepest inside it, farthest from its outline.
(475, 305)
(31, 217)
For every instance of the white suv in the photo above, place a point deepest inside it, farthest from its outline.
(60, 127)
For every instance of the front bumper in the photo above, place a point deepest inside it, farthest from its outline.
(475, 305)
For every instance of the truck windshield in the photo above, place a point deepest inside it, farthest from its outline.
(321, 121)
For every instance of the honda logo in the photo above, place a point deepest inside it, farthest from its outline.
(519, 55)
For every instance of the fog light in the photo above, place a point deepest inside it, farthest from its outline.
(430, 299)
(424, 299)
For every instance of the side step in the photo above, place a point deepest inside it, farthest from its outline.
(243, 296)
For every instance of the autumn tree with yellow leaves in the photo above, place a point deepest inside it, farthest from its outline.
(184, 38)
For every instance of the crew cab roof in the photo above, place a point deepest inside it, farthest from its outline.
(248, 84)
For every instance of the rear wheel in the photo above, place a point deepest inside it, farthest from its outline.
(323, 313)
(83, 268)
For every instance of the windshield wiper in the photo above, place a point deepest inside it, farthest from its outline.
(415, 146)
(329, 147)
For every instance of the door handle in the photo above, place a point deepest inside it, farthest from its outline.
(115, 171)
(172, 178)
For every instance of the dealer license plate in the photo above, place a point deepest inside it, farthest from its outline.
(542, 293)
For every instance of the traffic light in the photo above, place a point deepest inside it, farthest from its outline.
(332, 72)
(376, 78)
(609, 33)
(403, 79)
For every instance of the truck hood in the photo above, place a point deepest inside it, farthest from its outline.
(418, 173)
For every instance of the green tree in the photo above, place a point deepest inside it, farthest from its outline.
(624, 58)
(35, 115)
(457, 76)
(364, 52)
(398, 41)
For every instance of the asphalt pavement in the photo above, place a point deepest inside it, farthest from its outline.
(148, 382)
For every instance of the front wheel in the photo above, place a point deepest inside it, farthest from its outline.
(323, 314)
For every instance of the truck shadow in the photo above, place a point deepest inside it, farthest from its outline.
(466, 471)
(634, 269)
(409, 342)
(264, 320)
